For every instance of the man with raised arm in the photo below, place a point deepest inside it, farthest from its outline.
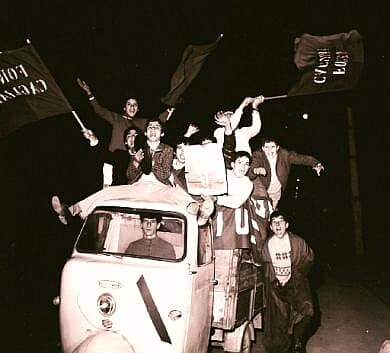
(120, 122)
(245, 133)
(272, 164)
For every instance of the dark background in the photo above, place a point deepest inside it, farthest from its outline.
(125, 48)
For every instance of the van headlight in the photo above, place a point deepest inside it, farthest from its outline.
(106, 304)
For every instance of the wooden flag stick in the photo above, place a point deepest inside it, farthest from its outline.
(275, 97)
(78, 120)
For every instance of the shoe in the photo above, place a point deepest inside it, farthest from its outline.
(62, 210)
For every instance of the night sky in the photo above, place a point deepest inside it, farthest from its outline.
(125, 48)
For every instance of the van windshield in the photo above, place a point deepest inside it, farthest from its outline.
(137, 233)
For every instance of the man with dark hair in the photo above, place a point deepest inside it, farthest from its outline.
(116, 162)
(120, 122)
(155, 159)
(272, 165)
(231, 220)
(150, 244)
(134, 140)
(289, 308)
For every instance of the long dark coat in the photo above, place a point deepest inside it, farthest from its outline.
(286, 306)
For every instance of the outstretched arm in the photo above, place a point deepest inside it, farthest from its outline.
(236, 117)
(229, 140)
(104, 113)
(255, 127)
(302, 159)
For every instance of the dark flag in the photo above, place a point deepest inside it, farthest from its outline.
(28, 92)
(231, 228)
(327, 63)
(192, 60)
(243, 227)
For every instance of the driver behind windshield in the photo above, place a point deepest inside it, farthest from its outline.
(150, 244)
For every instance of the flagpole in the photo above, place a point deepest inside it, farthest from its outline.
(78, 120)
(275, 97)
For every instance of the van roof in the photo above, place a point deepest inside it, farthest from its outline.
(153, 194)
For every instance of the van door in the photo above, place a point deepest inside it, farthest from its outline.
(202, 295)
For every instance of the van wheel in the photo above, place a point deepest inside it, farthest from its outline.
(246, 343)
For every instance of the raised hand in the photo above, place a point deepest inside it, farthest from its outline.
(318, 168)
(192, 129)
(84, 86)
(222, 119)
(247, 101)
(257, 101)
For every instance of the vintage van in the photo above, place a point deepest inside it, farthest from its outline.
(115, 301)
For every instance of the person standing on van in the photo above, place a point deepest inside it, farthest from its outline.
(272, 164)
(120, 122)
(287, 260)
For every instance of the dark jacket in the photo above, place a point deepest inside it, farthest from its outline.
(284, 161)
(160, 165)
(120, 123)
(286, 306)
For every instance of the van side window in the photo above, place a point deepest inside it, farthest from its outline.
(204, 245)
(93, 234)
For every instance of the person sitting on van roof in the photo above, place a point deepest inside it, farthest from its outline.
(150, 244)
(155, 159)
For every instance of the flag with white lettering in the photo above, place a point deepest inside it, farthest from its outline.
(259, 209)
(28, 92)
(242, 227)
(192, 61)
(327, 63)
(231, 228)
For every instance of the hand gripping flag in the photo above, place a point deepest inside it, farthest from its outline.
(327, 63)
(28, 92)
(192, 61)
